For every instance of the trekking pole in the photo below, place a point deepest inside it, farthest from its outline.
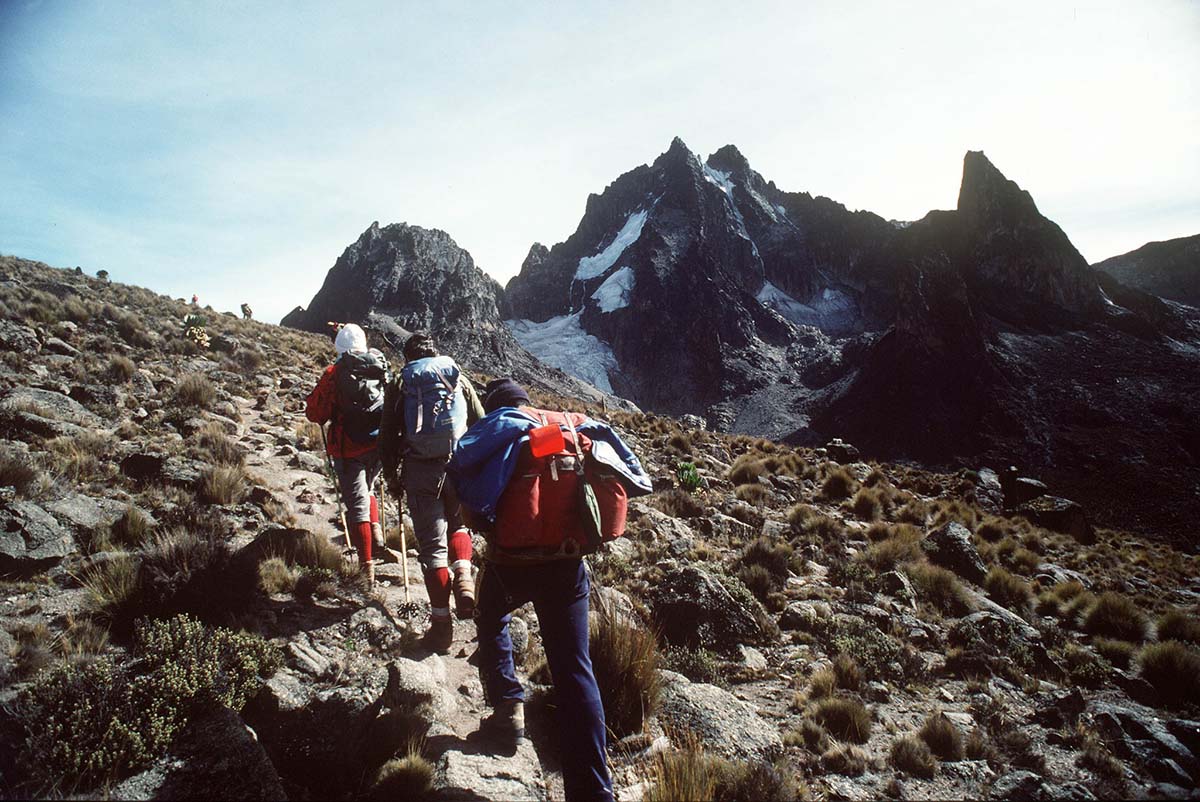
(337, 491)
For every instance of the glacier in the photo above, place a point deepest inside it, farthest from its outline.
(616, 290)
(593, 266)
(834, 311)
(562, 343)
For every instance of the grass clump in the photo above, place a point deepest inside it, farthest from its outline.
(113, 586)
(1171, 667)
(846, 670)
(218, 447)
(845, 759)
(1178, 625)
(753, 493)
(912, 755)
(1007, 590)
(942, 737)
(1084, 666)
(276, 576)
(94, 722)
(16, 473)
(121, 369)
(822, 684)
(1116, 616)
(677, 504)
(195, 391)
(1118, 652)
(692, 774)
(838, 484)
(844, 718)
(868, 503)
(407, 777)
(131, 529)
(223, 484)
(939, 587)
(902, 544)
(625, 659)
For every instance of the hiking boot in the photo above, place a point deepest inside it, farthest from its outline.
(464, 592)
(506, 724)
(440, 635)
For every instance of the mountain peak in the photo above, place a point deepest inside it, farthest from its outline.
(729, 159)
(985, 190)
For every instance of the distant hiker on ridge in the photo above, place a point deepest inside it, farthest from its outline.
(349, 396)
(247, 312)
(426, 410)
(548, 487)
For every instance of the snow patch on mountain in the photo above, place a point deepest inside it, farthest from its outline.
(593, 266)
(561, 342)
(616, 290)
(832, 311)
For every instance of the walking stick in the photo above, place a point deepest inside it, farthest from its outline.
(337, 491)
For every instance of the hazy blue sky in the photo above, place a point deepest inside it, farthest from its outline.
(235, 149)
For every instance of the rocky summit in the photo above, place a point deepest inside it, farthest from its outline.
(179, 618)
(1170, 269)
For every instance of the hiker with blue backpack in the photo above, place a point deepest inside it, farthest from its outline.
(349, 397)
(426, 410)
(545, 488)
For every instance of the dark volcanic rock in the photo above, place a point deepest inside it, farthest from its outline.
(950, 546)
(30, 538)
(399, 278)
(1058, 514)
(694, 608)
(1169, 269)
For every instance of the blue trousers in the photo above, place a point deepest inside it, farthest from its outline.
(559, 592)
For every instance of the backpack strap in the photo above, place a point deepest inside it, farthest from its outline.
(575, 441)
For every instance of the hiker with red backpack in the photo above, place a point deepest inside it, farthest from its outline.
(426, 410)
(349, 396)
(546, 488)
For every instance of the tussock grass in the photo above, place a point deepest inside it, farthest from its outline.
(308, 436)
(1008, 590)
(677, 504)
(915, 511)
(939, 587)
(1116, 616)
(625, 659)
(845, 759)
(846, 670)
(131, 529)
(217, 446)
(942, 737)
(844, 718)
(822, 684)
(869, 503)
(16, 473)
(838, 484)
(1118, 652)
(111, 586)
(993, 529)
(223, 484)
(912, 755)
(195, 391)
(691, 774)
(1179, 625)
(121, 369)
(902, 545)
(276, 576)
(408, 777)
(1171, 667)
(77, 458)
(754, 493)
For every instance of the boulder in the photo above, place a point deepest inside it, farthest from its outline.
(419, 687)
(215, 756)
(950, 546)
(143, 467)
(30, 538)
(988, 490)
(1021, 490)
(56, 346)
(721, 526)
(1136, 734)
(17, 338)
(725, 724)
(473, 773)
(840, 451)
(85, 513)
(1058, 514)
(49, 404)
(695, 608)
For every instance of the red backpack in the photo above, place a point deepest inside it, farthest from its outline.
(559, 500)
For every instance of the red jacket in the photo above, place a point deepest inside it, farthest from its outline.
(321, 406)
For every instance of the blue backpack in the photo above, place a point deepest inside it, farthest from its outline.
(435, 411)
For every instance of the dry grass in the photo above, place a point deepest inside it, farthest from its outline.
(78, 458)
(1116, 616)
(1171, 667)
(16, 473)
(308, 436)
(1008, 590)
(625, 659)
(903, 545)
(912, 755)
(838, 484)
(121, 369)
(1179, 625)
(216, 445)
(223, 484)
(844, 718)
(408, 777)
(1118, 652)
(111, 586)
(195, 391)
(942, 737)
(677, 504)
(276, 576)
(754, 493)
(869, 503)
(846, 670)
(845, 759)
(939, 587)
(822, 684)
(131, 529)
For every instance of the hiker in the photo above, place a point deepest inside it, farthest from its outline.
(521, 475)
(195, 300)
(247, 312)
(426, 410)
(349, 395)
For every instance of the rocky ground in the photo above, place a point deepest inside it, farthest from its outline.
(797, 624)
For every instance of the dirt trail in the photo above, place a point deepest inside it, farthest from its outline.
(465, 762)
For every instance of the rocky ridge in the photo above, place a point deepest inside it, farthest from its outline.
(818, 615)
(1169, 269)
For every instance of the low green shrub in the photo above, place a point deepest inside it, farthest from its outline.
(93, 722)
(688, 477)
